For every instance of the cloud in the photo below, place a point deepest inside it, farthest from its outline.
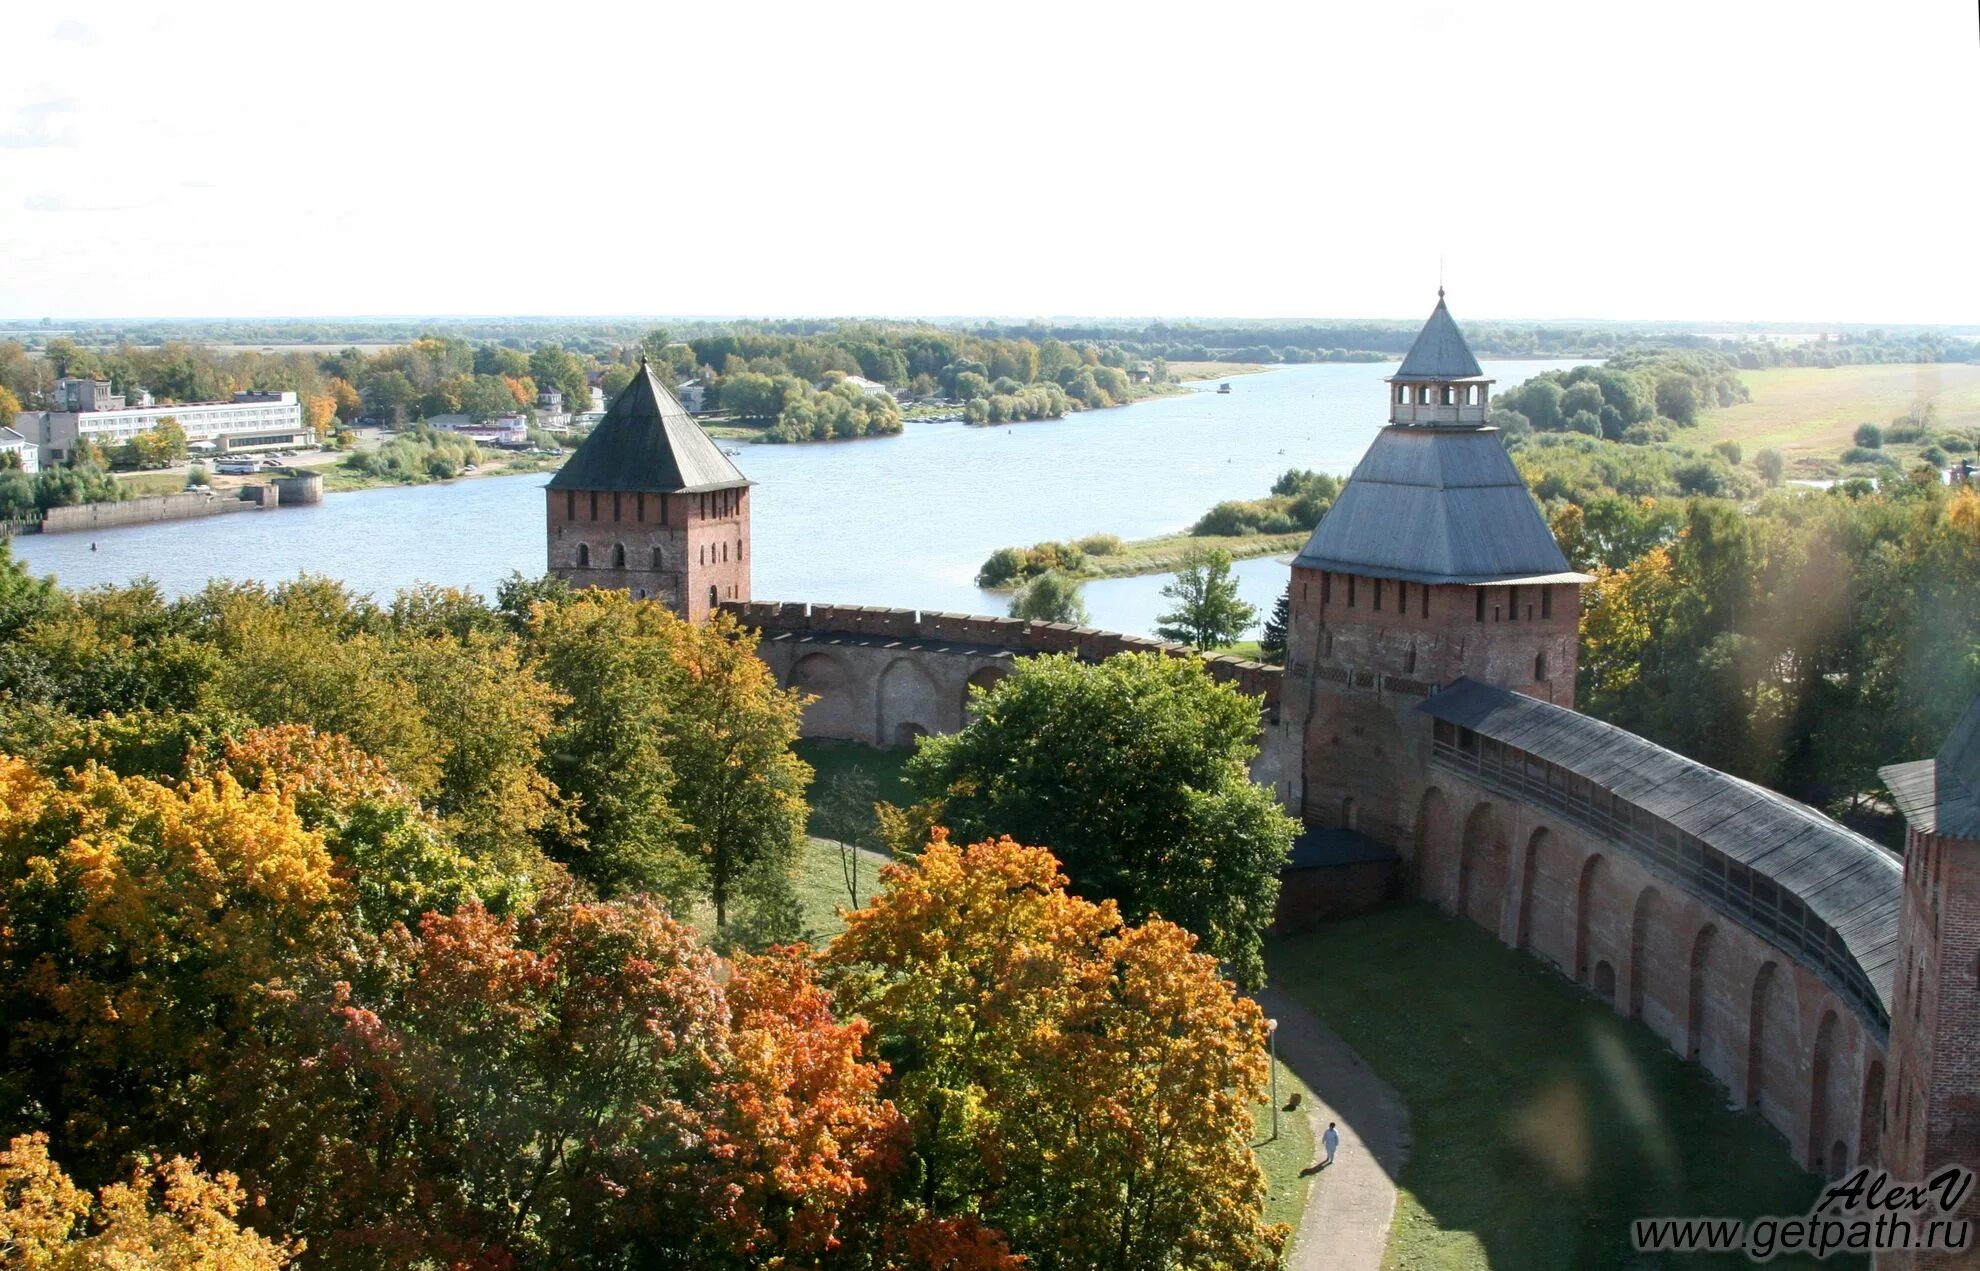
(46, 202)
(40, 124)
(70, 31)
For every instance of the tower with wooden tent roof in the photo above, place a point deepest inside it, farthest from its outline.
(649, 504)
(1434, 563)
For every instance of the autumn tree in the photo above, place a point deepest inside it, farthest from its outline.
(1081, 1083)
(170, 1216)
(140, 925)
(740, 787)
(1134, 771)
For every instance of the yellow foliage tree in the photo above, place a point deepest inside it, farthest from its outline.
(1080, 1083)
(166, 1219)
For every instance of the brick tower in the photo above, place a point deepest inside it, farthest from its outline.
(1435, 563)
(1929, 1107)
(649, 504)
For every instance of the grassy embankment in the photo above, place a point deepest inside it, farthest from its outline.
(1541, 1123)
(1164, 553)
(1809, 414)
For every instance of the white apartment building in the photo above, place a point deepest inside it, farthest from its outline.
(13, 443)
(252, 421)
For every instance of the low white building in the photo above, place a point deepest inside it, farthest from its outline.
(23, 451)
(251, 421)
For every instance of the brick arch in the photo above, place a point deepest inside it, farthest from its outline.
(1483, 867)
(983, 677)
(907, 700)
(1770, 1043)
(1870, 1117)
(1434, 849)
(1529, 863)
(1709, 1010)
(1589, 895)
(825, 677)
(1548, 899)
(1822, 1097)
(1642, 938)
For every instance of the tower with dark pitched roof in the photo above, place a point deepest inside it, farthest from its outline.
(649, 504)
(1434, 563)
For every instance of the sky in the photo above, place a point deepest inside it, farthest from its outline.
(1745, 160)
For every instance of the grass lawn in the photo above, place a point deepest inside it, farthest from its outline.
(1540, 1122)
(141, 484)
(1283, 1159)
(821, 886)
(1810, 413)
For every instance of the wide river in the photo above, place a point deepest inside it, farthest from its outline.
(901, 521)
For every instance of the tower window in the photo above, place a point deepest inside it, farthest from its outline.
(1326, 588)
(663, 508)
(1426, 600)
(1402, 598)
(1378, 595)
(594, 505)
(1512, 602)
(570, 505)
(1540, 666)
(656, 558)
(615, 506)
(584, 556)
(1350, 591)
(1546, 602)
(618, 556)
(725, 553)
(639, 506)
(739, 549)
(1409, 659)
(1480, 594)
(1402, 394)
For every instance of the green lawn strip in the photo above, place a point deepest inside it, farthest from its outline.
(1284, 1158)
(1540, 1122)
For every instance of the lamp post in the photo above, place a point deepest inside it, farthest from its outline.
(1272, 1049)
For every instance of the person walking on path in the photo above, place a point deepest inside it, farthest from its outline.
(1331, 1140)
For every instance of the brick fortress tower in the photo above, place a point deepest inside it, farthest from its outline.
(650, 504)
(1929, 1107)
(1435, 563)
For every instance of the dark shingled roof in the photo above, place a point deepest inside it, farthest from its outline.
(1440, 354)
(1327, 846)
(1938, 796)
(1437, 505)
(648, 442)
(1848, 881)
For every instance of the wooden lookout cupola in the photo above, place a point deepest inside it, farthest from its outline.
(1439, 384)
(651, 505)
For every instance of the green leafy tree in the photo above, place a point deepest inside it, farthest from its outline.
(1134, 771)
(1050, 597)
(844, 813)
(1207, 611)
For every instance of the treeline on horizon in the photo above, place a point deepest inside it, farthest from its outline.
(1752, 346)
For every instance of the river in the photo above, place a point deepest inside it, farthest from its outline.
(901, 521)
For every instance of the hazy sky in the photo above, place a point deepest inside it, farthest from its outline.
(1806, 161)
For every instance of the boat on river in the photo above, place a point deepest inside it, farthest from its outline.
(1224, 387)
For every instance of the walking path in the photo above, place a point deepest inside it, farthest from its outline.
(1349, 1205)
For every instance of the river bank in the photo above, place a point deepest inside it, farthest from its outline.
(1164, 554)
(902, 525)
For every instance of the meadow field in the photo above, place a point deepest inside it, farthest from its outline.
(1809, 413)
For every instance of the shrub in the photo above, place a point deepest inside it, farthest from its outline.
(1863, 454)
(1731, 451)
(1868, 437)
(1004, 567)
(1934, 456)
(1101, 545)
(1955, 445)
(1772, 466)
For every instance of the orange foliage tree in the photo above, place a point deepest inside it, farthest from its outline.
(1081, 1083)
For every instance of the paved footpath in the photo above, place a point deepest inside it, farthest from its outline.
(1349, 1204)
